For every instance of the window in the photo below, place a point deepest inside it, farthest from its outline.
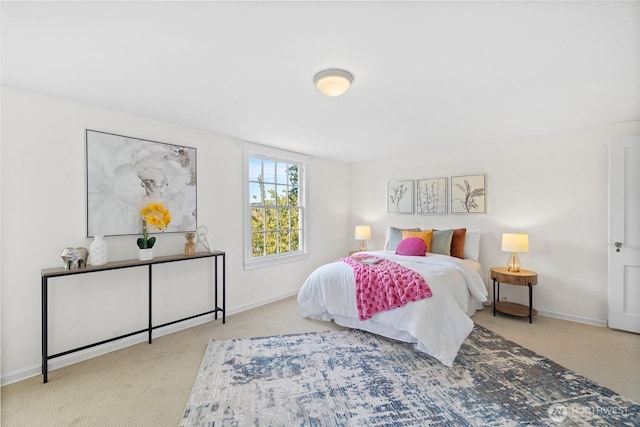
(274, 213)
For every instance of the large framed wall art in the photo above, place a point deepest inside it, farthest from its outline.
(400, 197)
(124, 174)
(468, 194)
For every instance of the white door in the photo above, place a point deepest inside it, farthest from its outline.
(624, 234)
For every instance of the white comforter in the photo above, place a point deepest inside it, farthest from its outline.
(436, 325)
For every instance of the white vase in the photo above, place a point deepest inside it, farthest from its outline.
(98, 251)
(145, 254)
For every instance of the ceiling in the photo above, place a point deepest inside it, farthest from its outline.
(427, 75)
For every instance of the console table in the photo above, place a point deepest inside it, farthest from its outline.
(116, 265)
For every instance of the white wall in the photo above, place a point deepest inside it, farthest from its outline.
(555, 188)
(43, 211)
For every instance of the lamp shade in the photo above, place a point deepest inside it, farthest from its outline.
(512, 242)
(363, 232)
(333, 82)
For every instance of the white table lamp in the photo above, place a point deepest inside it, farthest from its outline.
(363, 232)
(514, 243)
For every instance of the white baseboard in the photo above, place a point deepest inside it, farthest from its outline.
(261, 303)
(572, 318)
(563, 316)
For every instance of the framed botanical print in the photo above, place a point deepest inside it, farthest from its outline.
(400, 197)
(468, 194)
(431, 196)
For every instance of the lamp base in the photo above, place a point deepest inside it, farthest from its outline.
(514, 263)
(363, 245)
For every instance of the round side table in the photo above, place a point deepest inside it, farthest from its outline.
(517, 278)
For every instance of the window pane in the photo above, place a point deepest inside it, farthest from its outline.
(295, 218)
(269, 195)
(293, 197)
(257, 220)
(271, 242)
(294, 179)
(293, 183)
(283, 219)
(255, 169)
(284, 241)
(282, 173)
(257, 240)
(269, 171)
(295, 240)
(283, 199)
(271, 220)
(255, 197)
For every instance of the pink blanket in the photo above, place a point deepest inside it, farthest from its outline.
(384, 285)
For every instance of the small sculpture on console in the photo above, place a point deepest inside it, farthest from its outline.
(203, 238)
(190, 246)
(74, 258)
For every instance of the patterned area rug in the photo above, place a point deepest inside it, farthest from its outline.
(353, 378)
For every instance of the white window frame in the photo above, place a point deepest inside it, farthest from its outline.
(265, 152)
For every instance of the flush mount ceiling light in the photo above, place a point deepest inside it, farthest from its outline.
(333, 82)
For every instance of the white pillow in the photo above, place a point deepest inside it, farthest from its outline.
(472, 245)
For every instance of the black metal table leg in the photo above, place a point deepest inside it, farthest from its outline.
(215, 288)
(45, 331)
(494, 297)
(224, 283)
(150, 299)
(530, 301)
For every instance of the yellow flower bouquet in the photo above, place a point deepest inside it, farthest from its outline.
(156, 216)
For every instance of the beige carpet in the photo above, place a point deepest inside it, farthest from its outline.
(148, 385)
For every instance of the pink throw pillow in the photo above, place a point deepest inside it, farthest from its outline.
(413, 246)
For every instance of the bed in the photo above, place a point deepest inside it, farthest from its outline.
(437, 325)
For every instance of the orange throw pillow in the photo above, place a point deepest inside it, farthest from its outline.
(457, 242)
(425, 235)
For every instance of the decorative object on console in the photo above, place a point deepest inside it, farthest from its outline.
(74, 258)
(145, 254)
(190, 246)
(400, 197)
(154, 215)
(363, 233)
(98, 251)
(203, 238)
(468, 194)
(124, 173)
(333, 82)
(514, 243)
(431, 196)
